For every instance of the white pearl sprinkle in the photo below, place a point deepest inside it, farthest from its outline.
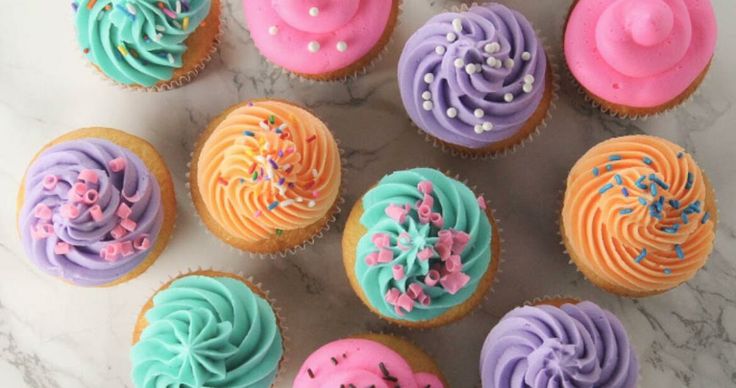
(427, 105)
(428, 78)
(487, 126)
(273, 30)
(526, 55)
(508, 97)
(492, 47)
(311, 204)
(491, 61)
(528, 79)
(459, 62)
(498, 64)
(439, 50)
(527, 88)
(314, 11)
(457, 24)
(313, 46)
(426, 95)
(479, 113)
(451, 36)
(478, 128)
(470, 68)
(342, 46)
(451, 112)
(509, 63)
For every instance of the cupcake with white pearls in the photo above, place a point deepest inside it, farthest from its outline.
(478, 81)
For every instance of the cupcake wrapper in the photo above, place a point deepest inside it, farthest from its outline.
(554, 68)
(351, 77)
(167, 85)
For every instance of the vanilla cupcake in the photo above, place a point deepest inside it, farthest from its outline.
(639, 215)
(265, 177)
(420, 248)
(145, 44)
(96, 207)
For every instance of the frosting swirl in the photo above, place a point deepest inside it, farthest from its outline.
(91, 211)
(207, 332)
(637, 214)
(639, 53)
(473, 78)
(137, 42)
(267, 167)
(576, 345)
(360, 363)
(427, 246)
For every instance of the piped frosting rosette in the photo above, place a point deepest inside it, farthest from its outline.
(91, 211)
(268, 167)
(638, 215)
(639, 53)
(207, 331)
(427, 246)
(575, 345)
(137, 42)
(473, 78)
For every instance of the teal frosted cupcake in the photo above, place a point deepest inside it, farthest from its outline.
(420, 248)
(207, 329)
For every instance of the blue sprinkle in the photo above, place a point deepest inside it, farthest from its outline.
(640, 183)
(596, 171)
(689, 182)
(624, 212)
(684, 218)
(248, 133)
(673, 229)
(653, 189)
(680, 155)
(609, 167)
(656, 215)
(641, 256)
(618, 179)
(273, 205)
(705, 218)
(75, 6)
(614, 158)
(667, 271)
(642, 201)
(675, 204)
(679, 252)
(625, 192)
(125, 11)
(647, 161)
(605, 188)
(659, 182)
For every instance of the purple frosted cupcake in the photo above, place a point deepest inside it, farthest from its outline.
(477, 81)
(96, 207)
(559, 343)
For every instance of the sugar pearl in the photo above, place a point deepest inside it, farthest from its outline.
(451, 36)
(313, 46)
(491, 61)
(427, 105)
(478, 128)
(509, 63)
(527, 88)
(314, 11)
(451, 112)
(428, 78)
(508, 97)
(439, 50)
(426, 95)
(498, 64)
(528, 79)
(459, 63)
(273, 30)
(479, 113)
(487, 126)
(526, 55)
(342, 46)
(492, 47)
(470, 68)
(457, 25)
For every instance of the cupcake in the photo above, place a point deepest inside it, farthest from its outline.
(265, 177)
(207, 329)
(96, 207)
(145, 44)
(420, 249)
(369, 360)
(324, 39)
(558, 343)
(477, 82)
(639, 57)
(639, 216)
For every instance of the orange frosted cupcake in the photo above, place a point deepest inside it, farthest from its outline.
(265, 176)
(639, 215)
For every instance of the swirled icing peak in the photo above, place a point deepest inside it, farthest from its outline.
(137, 42)
(360, 363)
(575, 345)
(639, 53)
(319, 36)
(428, 244)
(91, 211)
(473, 78)
(207, 332)
(638, 214)
(268, 167)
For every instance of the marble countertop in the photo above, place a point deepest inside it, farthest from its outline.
(55, 335)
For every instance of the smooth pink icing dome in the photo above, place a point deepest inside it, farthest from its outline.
(644, 52)
(316, 36)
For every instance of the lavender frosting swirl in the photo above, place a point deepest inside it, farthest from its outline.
(77, 196)
(576, 345)
(473, 78)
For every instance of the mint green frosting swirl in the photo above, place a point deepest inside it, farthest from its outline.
(207, 332)
(461, 212)
(135, 42)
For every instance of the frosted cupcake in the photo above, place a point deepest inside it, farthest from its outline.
(207, 329)
(558, 343)
(369, 360)
(265, 177)
(420, 249)
(146, 44)
(324, 39)
(639, 215)
(477, 81)
(639, 57)
(96, 207)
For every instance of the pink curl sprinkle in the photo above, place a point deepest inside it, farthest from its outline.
(42, 231)
(425, 254)
(117, 164)
(433, 276)
(381, 240)
(128, 224)
(87, 175)
(118, 232)
(96, 213)
(398, 271)
(405, 302)
(123, 211)
(453, 282)
(69, 211)
(142, 243)
(49, 182)
(79, 188)
(385, 255)
(482, 202)
(392, 296)
(42, 211)
(62, 248)
(425, 187)
(90, 197)
(111, 252)
(372, 259)
(414, 291)
(126, 248)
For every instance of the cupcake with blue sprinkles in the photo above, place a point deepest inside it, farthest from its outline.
(147, 44)
(639, 216)
(421, 249)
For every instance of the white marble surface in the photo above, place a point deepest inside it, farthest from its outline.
(54, 335)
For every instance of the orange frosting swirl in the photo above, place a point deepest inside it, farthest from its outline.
(269, 166)
(627, 235)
